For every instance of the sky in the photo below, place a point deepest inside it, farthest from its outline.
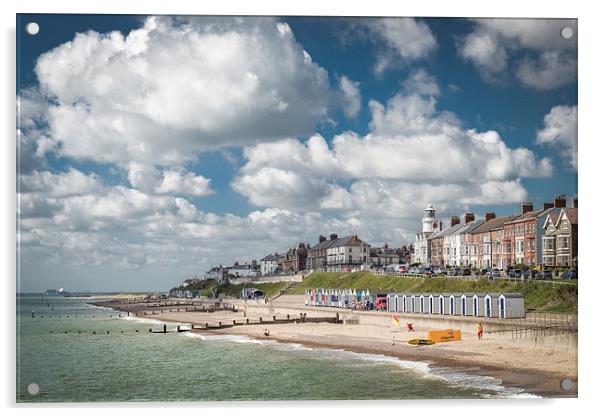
(151, 148)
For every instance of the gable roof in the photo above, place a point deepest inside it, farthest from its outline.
(493, 224)
(571, 215)
(351, 240)
(324, 244)
(468, 227)
(553, 216)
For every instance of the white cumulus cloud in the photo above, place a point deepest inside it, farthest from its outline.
(175, 87)
(532, 49)
(560, 132)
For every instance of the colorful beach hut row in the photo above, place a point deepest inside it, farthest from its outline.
(487, 305)
(337, 298)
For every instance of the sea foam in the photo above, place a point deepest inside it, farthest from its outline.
(490, 386)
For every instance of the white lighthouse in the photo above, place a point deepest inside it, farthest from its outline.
(429, 223)
(422, 248)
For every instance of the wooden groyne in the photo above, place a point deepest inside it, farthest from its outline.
(301, 318)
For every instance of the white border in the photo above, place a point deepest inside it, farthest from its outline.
(589, 170)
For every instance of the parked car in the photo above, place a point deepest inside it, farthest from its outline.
(532, 274)
(455, 271)
(515, 273)
(569, 274)
(483, 272)
(546, 274)
(466, 272)
(493, 274)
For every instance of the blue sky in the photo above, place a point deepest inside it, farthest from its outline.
(150, 156)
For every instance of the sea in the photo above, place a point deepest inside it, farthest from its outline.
(71, 351)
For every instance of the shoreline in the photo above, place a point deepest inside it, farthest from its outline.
(540, 384)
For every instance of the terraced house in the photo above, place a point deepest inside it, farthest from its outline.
(317, 258)
(347, 254)
(531, 238)
(560, 238)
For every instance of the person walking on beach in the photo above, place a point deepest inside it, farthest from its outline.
(480, 331)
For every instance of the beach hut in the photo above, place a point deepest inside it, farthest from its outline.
(511, 305)
(412, 304)
(491, 305)
(394, 302)
(455, 307)
(442, 308)
(421, 304)
(478, 304)
(345, 298)
(404, 303)
(432, 304)
(398, 300)
(464, 310)
(390, 302)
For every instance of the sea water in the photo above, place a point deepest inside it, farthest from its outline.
(77, 352)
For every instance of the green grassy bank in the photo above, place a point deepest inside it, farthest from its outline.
(538, 296)
(207, 287)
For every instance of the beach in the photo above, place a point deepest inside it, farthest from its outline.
(535, 365)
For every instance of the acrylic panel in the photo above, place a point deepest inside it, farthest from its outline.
(226, 208)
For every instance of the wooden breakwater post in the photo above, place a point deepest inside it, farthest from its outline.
(165, 329)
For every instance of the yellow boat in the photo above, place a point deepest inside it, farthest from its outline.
(421, 341)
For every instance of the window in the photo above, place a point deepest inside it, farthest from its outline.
(563, 242)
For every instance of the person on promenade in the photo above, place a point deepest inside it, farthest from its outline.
(480, 331)
(410, 327)
(266, 332)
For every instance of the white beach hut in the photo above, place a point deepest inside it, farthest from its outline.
(491, 305)
(442, 309)
(412, 303)
(464, 306)
(390, 302)
(455, 304)
(422, 304)
(511, 305)
(478, 304)
(432, 304)
(404, 303)
(398, 302)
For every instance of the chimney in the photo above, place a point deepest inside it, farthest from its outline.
(385, 246)
(548, 205)
(440, 225)
(489, 216)
(468, 217)
(575, 201)
(527, 207)
(560, 201)
(333, 237)
(454, 220)
(321, 239)
(301, 245)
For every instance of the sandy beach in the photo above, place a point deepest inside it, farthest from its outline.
(537, 369)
